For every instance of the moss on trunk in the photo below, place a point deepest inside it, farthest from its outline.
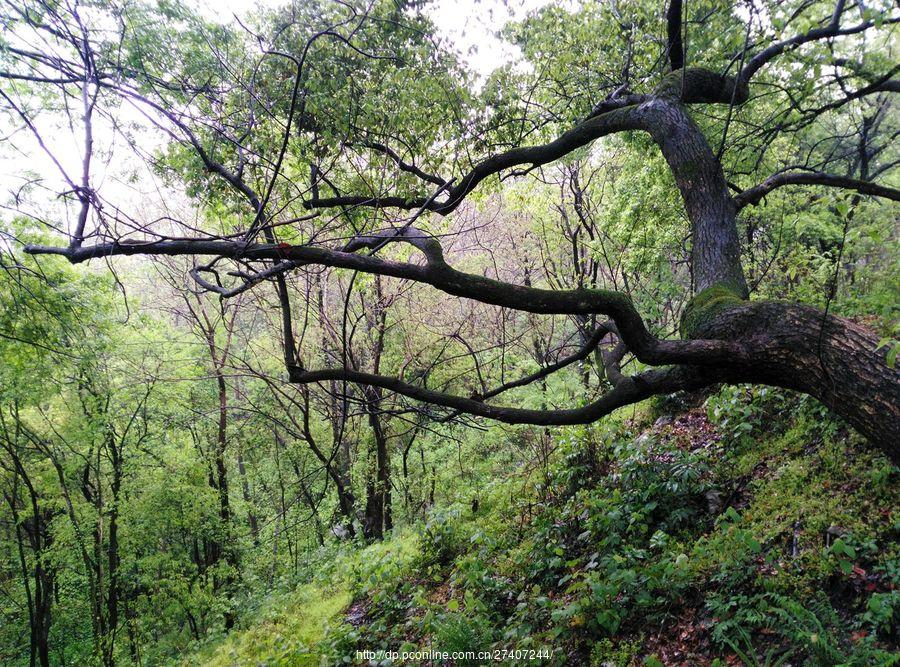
(707, 304)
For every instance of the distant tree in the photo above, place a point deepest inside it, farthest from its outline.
(363, 104)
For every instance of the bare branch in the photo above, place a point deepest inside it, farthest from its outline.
(755, 194)
(619, 120)
(580, 355)
(403, 166)
(673, 25)
(628, 391)
(437, 273)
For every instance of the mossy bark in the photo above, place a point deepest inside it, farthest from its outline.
(798, 347)
(715, 245)
(697, 85)
(705, 305)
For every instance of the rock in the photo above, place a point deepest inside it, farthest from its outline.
(340, 531)
(713, 501)
(665, 420)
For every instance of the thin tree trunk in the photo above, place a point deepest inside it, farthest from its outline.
(245, 493)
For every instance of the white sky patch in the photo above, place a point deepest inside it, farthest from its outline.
(473, 28)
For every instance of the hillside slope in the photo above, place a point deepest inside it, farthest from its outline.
(746, 527)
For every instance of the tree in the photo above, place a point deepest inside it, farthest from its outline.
(244, 132)
(32, 533)
(67, 480)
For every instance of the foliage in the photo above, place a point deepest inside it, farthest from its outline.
(167, 498)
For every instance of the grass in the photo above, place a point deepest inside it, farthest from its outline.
(287, 633)
(291, 627)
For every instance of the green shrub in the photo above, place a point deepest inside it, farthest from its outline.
(461, 631)
(441, 538)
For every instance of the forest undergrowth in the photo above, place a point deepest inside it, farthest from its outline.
(742, 527)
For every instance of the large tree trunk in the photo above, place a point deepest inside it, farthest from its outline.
(378, 487)
(114, 450)
(830, 358)
(34, 531)
(791, 346)
(248, 500)
(715, 248)
(225, 549)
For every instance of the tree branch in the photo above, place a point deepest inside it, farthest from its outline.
(618, 120)
(425, 243)
(437, 273)
(673, 25)
(629, 112)
(628, 391)
(754, 195)
(581, 354)
(403, 166)
(832, 29)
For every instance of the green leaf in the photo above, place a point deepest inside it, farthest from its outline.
(892, 355)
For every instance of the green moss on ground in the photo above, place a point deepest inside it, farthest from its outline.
(289, 632)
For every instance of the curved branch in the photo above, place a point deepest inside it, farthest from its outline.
(250, 280)
(612, 363)
(618, 120)
(403, 166)
(628, 391)
(583, 353)
(425, 243)
(374, 241)
(754, 195)
(883, 84)
(437, 273)
(698, 174)
(629, 112)
(832, 29)
(699, 85)
(889, 86)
